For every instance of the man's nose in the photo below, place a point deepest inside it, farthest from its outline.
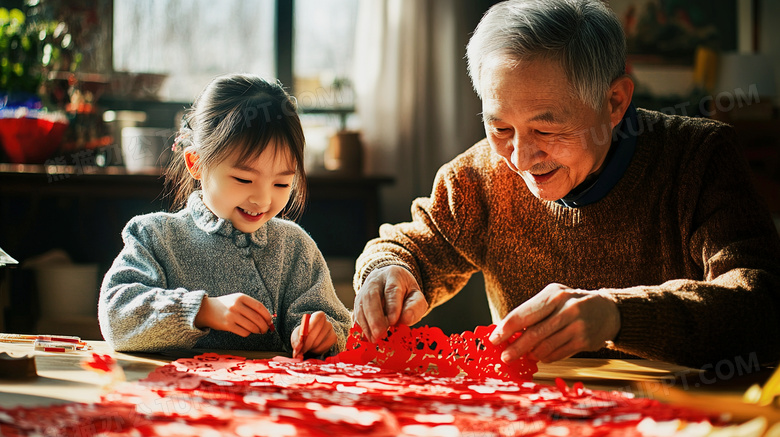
(524, 153)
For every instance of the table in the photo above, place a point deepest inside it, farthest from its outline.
(61, 379)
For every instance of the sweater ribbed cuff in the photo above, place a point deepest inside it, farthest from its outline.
(638, 322)
(377, 263)
(191, 302)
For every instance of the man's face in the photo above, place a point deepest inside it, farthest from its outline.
(250, 193)
(545, 133)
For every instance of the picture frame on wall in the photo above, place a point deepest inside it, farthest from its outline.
(670, 31)
(664, 41)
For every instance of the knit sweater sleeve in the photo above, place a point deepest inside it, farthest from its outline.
(308, 287)
(136, 310)
(733, 311)
(443, 242)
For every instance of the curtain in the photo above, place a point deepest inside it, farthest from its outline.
(417, 110)
(416, 106)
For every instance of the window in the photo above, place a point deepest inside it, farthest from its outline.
(191, 41)
(323, 46)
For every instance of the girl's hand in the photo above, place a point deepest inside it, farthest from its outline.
(320, 336)
(236, 313)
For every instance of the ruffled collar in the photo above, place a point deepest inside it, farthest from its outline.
(209, 223)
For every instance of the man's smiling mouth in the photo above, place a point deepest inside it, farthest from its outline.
(541, 178)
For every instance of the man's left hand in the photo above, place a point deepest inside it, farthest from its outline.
(559, 322)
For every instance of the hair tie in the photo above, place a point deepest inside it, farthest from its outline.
(181, 137)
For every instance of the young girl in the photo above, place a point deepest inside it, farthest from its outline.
(223, 272)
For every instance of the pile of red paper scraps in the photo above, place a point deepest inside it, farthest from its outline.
(415, 382)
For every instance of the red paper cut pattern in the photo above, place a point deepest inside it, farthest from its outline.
(100, 363)
(107, 367)
(428, 350)
(400, 395)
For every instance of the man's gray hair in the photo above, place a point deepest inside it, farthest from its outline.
(584, 36)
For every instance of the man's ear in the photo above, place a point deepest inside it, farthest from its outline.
(620, 93)
(192, 160)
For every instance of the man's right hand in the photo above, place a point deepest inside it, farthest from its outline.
(389, 295)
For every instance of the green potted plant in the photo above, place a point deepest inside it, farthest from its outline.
(29, 133)
(21, 63)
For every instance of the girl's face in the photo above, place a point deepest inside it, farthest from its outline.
(250, 193)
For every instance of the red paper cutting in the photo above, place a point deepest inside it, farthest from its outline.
(106, 366)
(401, 394)
(428, 350)
(99, 362)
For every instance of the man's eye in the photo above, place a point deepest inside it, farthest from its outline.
(502, 130)
(543, 133)
(243, 181)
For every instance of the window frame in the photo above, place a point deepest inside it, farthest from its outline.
(284, 44)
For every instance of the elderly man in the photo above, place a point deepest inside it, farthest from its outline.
(597, 225)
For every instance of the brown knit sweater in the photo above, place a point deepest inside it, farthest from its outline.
(683, 237)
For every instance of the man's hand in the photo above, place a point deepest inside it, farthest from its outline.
(390, 295)
(559, 322)
(236, 313)
(318, 338)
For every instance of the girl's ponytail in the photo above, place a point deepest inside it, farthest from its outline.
(179, 184)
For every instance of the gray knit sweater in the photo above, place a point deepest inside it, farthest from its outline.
(153, 290)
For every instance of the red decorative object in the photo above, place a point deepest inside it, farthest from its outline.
(225, 395)
(428, 350)
(100, 363)
(31, 140)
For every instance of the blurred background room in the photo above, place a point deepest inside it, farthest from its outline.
(92, 92)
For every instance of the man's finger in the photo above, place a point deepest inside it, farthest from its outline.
(394, 301)
(564, 351)
(528, 314)
(414, 308)
(538, 333)
(374, 313)
(554, 344)
(360, 318)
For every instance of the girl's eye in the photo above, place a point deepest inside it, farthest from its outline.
(243, 181)
(282, 185)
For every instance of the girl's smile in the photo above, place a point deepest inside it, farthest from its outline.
(251, 216)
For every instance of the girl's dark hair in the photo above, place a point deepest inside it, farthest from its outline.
(238, 113)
